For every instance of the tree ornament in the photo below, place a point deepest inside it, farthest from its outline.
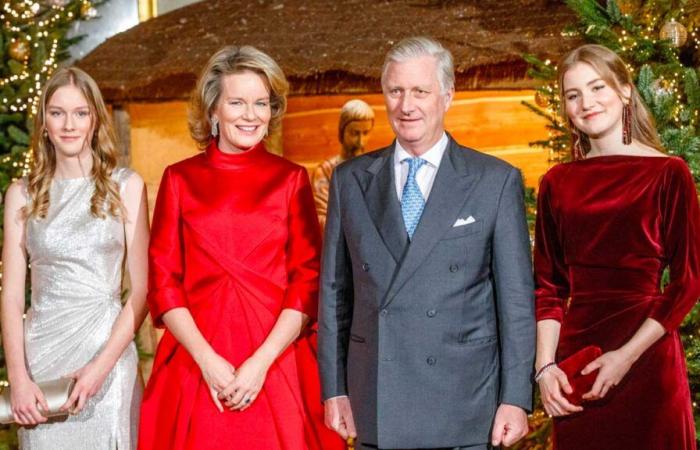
(541, 100)
(675, 32)
(661, 87)
(87, 11)
(19, 49)
(59, 3)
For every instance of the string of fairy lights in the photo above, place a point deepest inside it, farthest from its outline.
(29, 25)
(651, 33)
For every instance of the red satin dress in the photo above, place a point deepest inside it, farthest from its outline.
(235, 239)
(606, 229)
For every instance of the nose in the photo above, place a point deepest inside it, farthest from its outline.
(68, 122)
(248, 112)
(587, 101)
(407, 105)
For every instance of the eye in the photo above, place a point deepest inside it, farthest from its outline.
(54, 113)
(571, 97)
(262, 103)
(83, 113)
(598, 87)
(235, 102)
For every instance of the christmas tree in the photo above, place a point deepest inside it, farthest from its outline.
(659, 41)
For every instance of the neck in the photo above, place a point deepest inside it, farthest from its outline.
(608, 144)
(420, 147)
(77, 166)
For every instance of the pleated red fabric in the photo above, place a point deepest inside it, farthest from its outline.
(235, 239)
(606, 229)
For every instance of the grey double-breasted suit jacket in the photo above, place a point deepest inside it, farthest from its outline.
(427, 338)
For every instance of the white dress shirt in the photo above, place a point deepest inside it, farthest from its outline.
(426, 174)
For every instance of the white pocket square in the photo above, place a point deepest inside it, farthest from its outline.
(462, 222)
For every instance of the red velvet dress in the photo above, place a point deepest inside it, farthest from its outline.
(235, 239)
(606, 229)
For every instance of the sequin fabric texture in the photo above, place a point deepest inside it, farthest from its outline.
(76, 276)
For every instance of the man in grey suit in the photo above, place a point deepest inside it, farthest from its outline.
(427, 331)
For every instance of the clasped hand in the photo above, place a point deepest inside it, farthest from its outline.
(612, 366)
(236, 389)
(88, 381)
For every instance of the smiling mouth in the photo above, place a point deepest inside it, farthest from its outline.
(591, 115)
(70, 138)
(248, 128)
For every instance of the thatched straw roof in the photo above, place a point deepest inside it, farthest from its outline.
(328, 46)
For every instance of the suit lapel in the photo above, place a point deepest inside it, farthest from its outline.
(377, 183)
(453, 182)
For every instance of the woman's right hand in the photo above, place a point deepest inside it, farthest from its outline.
(218, 373)
(26, 398)
(552, 382)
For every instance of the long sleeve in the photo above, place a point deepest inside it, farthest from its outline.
(551, 279)
(165, 271)
(512, 269)
(336, 304)
(303, 249)
(681, 236)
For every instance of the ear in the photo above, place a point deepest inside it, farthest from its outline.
(448, 98)
(626, 91)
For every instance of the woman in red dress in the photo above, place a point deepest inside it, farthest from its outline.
(608, 224)
(234, 260)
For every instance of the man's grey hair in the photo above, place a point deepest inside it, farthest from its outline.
(417, 46)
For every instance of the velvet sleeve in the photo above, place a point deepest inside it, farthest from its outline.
(165, 258)
(681, 239)
(303, 249)
(551, 278)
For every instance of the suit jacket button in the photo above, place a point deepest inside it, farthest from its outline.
(454, 268)
(431, 313)
(365, 267)
(384, 312)
(431, 361)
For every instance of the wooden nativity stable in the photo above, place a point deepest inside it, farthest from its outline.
(331, 51)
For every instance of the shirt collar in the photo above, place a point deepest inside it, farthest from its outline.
(433, 156)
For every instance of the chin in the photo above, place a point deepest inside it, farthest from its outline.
(246, 142)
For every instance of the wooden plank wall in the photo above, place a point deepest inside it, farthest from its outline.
(491, 121)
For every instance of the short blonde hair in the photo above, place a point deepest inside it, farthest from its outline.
(227, 61)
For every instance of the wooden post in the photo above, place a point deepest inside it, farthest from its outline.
(122, 128)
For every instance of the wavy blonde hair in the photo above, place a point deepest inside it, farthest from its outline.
(228, 61)
(614, 72)
(106, 197)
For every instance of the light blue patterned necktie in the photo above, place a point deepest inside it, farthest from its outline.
(412, 201)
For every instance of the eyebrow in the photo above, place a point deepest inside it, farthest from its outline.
(587, 84)
(58, 107)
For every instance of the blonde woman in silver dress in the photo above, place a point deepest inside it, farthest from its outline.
(76, 219)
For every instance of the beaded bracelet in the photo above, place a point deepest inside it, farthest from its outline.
(542, 370)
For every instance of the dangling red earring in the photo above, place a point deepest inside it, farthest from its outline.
(576, 148)
(627, 123)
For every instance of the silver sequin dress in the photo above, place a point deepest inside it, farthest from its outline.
(76, 276)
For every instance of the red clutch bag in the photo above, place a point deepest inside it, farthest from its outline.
(572, 367)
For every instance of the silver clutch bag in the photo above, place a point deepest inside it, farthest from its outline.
(56, 393)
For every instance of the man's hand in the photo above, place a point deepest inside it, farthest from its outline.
(509, 426)
(339, 417)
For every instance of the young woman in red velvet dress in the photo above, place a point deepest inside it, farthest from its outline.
(608, 224)
(234, 260)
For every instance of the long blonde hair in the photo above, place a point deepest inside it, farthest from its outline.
(106, 197)
(614, 72)
(227, 61)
